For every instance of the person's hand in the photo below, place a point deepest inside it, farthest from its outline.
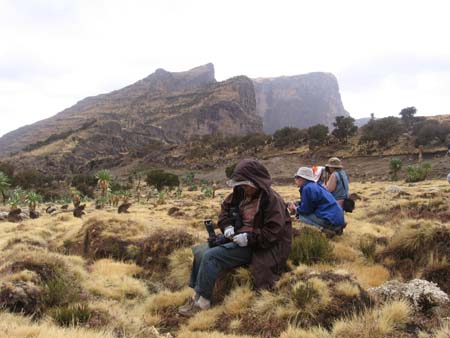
(291, 207)
(229, 231)
(241, 239)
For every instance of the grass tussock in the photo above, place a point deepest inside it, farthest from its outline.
(311, 246)
(15, 326)
(410, 249)
(180, 265)
(379, 322)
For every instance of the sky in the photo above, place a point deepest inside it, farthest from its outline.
(386, 55)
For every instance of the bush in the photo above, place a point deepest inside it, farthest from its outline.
(395, 165)
(383, 131)
(289, 136)
(418, 173)
(311, 247)
(160, 179)
(430, 132)
(85, 184)
(317, 135)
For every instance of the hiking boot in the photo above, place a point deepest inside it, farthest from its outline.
(187, 306)
(189, 309)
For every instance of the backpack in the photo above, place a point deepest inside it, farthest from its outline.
(348, 204)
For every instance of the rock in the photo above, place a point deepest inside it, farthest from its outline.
(34, 214)
(422, 294)
(163, 109)
(123, 208)
(50, 210)
(15, 215)
(394, 189)
(298, 101)
(3, 215)
(79, 211)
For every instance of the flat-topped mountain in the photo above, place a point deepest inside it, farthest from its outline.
(298, 101)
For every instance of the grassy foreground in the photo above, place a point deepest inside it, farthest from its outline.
(110, 275)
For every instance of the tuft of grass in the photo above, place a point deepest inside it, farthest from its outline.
(238, 301)
(205, 320)
(348, 289)
(180, 265)
(71, 315)
(378, 322)
(310, 247)
(368, 246)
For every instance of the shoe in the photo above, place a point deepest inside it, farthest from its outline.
(187, 306)
(189, 309)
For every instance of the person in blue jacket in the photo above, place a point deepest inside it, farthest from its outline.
(317, 207)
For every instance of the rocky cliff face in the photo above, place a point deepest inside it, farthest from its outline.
(298, 101)
(164, 108)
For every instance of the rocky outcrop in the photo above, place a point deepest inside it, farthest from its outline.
(164, 108)
(298, 101)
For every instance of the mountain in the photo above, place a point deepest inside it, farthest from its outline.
(298, 101)
(164, 108)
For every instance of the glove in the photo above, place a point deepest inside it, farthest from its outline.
(229, 231)
(241, 239)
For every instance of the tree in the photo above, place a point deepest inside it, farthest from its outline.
(344, 128)
(407, 115)
(317, 135)
(104, 180)
(4, 185)
(160, 179)
(382, 131)
(254, 141)
(289, 136)
(431, 131)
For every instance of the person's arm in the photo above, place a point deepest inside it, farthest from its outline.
(306, 205)
(332, 183)
(224, 220)
(274, 221)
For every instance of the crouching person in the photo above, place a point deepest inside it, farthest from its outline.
(261, 238)
(317, 207)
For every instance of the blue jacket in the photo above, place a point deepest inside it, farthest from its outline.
(315, 199)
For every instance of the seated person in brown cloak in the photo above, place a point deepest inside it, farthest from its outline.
(263, 240)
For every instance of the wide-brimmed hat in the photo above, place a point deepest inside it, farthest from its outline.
(334, 162)
(306, 173)
(234, 183)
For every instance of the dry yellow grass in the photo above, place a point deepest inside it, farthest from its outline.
(14, 326)
(378, 322)
(133, 305)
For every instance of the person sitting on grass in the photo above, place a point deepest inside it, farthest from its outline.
(317, 206)
(262, 240)
(337, 183)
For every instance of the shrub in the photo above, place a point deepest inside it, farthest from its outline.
(429, 132)
(317, 135)
(85, 184)
(395, 165)
(160, 179)
(311, 247)
(418, 173)
(382, 131)
(289, 136)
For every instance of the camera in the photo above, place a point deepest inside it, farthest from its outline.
(213, 239)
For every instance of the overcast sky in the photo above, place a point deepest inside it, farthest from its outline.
(387, 55)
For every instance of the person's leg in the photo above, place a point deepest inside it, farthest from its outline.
(198, 252)
(312, 219)
(216, 260)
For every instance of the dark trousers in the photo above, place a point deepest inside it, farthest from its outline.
(209, 262)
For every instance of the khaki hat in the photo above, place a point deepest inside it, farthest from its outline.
(306, 173)
(233, 183)
(334, 162)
